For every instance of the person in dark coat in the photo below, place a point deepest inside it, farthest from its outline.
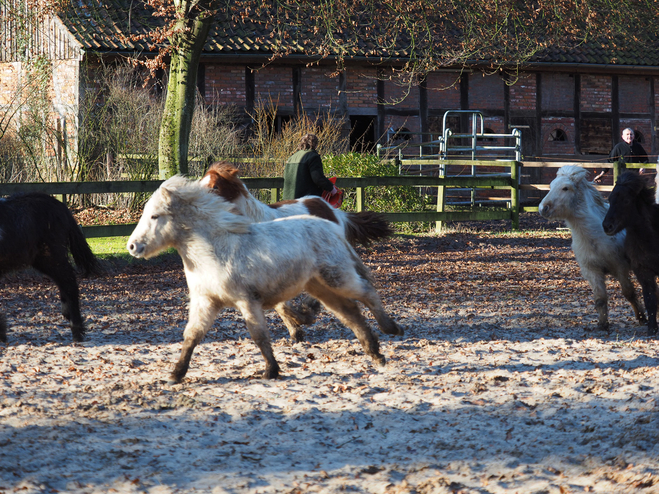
(627, 151)
(303, 174)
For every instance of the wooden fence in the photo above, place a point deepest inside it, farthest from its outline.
(601, 188)
(505, 180)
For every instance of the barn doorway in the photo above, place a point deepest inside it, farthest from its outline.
(362, 134)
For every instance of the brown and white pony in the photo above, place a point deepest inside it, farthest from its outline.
(230, 261)
(360, 228)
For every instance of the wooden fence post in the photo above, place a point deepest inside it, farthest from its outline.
(616, 170)
(360, 199)
(514, 194)
(441, 200)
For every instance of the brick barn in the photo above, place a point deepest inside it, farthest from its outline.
(568, 104)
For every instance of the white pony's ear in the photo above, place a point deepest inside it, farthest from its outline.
(166, 194)
(173, 188)
(170, 197)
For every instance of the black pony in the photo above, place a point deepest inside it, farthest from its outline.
(632, 207)
(39, 231)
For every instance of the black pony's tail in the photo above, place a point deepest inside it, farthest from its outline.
(366, 226)
(82, 254)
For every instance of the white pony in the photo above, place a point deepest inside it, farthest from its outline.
(360, 228)
(231, 262)
(575, 200)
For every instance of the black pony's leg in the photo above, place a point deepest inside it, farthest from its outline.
(57, 267)
(649, 287)
(3, 329)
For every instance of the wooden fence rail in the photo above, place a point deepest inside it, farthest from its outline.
(601, 188)
(507, 181)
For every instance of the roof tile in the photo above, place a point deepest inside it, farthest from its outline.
(104, 25)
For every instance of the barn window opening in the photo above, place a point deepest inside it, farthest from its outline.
(638, 136)
(557, 135)
(487, 139)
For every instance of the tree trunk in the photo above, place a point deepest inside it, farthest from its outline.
(181, 91)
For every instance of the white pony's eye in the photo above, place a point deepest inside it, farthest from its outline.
(155, 216)
(565, 188)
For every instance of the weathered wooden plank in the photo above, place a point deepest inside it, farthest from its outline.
(601, 188)
(118, 186)
(490, 181)
(494, 180)
(264, 182)
(448, 216)
(108, 230)
(586, 164)
(436, 162)
(55, 188)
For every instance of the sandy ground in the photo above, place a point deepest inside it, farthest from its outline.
(499, 385)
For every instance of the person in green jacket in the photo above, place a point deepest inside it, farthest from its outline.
(303, 174)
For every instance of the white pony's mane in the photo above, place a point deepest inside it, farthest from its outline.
(208, 207)
(258, 210)
(579, 177)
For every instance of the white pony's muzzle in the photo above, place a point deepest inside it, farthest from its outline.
(135, 249)
(545, 211)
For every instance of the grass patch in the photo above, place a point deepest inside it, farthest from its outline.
(114, 249)
(108, 246)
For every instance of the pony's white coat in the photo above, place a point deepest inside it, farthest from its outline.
(231, 262)
(573, 199)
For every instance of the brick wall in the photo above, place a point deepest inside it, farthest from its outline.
(443, 90)
(412, 124)
(362, 89)
(523, 93)
(8, 82)
(494, 125)
(274, 84)
(401, 94)
(557, 91)
(318, 89)
(595, 93)
(634, 94)
(63, 91)
(553, 147)
(485, 92)
(225, 84)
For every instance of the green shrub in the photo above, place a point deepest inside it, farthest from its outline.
(381, 199)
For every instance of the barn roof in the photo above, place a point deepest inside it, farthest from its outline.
(103, 26)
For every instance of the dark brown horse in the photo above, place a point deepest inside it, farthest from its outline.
(38, 231)
(632, 208)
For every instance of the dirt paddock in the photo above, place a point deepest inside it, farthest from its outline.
(500, 385)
